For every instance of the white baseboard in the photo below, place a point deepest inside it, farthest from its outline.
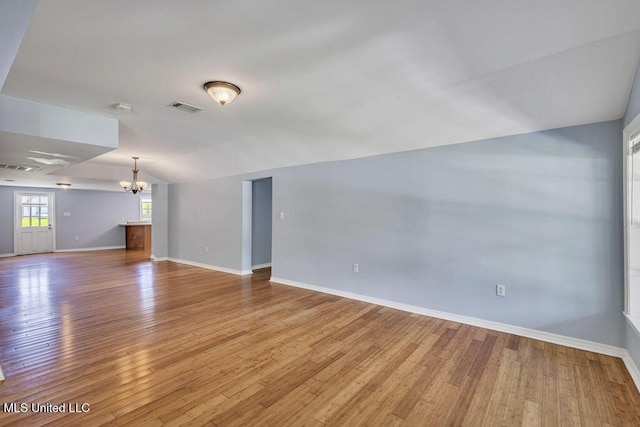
(1, 374)
(580, 344)
(100, 248)
(7, 255)
(633, 322)
(212, 267)
(153, 257)
(259, 266)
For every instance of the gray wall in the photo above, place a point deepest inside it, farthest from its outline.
(440, 227)
(94, 217)
(6, 220)
(261, 222)
(633, 107)
(207, 214)
(160, 220)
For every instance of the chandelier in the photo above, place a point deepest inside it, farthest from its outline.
(134, 186)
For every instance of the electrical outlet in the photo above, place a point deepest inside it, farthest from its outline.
(206, 249)
(77, 237)
(281, 215)
(355, 268)
(500, 290)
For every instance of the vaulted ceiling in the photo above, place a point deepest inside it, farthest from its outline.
(320, 80)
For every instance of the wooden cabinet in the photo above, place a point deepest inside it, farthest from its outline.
(138, 237)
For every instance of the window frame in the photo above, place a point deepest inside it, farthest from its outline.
(631, 308)
(145, 199)
(34, 207)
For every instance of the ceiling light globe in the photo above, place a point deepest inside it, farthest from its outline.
(222, 92)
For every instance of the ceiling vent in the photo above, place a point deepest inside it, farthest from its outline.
(185, 107)
(17, 167)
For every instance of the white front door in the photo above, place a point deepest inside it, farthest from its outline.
(34, 221)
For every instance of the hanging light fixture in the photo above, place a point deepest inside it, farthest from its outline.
(222, 92)
(136, 185)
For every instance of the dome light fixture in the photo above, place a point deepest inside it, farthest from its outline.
(134, 186)
(222, 92)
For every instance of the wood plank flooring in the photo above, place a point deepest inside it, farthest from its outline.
(149, 344)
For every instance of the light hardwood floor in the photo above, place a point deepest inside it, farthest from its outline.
(170, 344)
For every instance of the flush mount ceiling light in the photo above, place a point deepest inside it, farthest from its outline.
(135, 185)
(64, 185)
(222, 92)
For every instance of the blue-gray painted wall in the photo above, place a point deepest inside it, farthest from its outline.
(207, 214)
(440, 227)
(6, 220)
(261, 219)
(160, 229)
(94, 217)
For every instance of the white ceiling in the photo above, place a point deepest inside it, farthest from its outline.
(323, 80)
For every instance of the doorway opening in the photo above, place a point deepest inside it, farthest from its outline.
(257, 203)
(261, 223)
(34, 221)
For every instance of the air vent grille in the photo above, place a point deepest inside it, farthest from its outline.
(17, 167)
(185, 107)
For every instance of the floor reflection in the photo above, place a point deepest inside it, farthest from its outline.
(33, 286)
(66, 332)
(146, 285)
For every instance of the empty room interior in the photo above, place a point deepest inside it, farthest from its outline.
(301, 213)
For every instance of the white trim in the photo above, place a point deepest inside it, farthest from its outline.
(212, 267)
(247, 224)
(630, 130)
(259, 266)
(99, 248)
(632, 368)
(7, 255)
(634, 321)
(1, 374)
(155, 259)
(145, 196)
(580, 344)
